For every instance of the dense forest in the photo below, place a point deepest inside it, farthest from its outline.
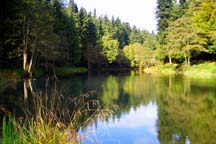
(51, 33)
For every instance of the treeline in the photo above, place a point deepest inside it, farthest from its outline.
(186, 31)
(50, 33)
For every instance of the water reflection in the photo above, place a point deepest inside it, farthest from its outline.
(136, 127)
(187, 112)
(166, 110)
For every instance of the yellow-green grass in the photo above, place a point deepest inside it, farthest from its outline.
(166, 69)
(203, 70)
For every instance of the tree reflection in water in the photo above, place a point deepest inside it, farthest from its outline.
(186, 108)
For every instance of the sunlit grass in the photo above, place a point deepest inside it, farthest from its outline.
(203, 70)
(166, 69)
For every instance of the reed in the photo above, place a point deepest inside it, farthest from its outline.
(52, 119)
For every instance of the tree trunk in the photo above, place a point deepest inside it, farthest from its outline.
(170, 59)
(185, 56)
(188, 60)
(30, 64)
(26, 67)
(25, 43)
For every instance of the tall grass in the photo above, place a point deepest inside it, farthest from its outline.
(52, 118)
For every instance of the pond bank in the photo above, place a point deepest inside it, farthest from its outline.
(16, 73)
(202, 70)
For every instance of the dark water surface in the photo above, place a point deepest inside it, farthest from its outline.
(151, 109)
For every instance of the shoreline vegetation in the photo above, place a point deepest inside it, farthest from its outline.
(52, 118)
(16, 73)
(202, 70)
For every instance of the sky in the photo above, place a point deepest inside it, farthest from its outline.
(140, 13)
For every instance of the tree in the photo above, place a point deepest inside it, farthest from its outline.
(110, 48)
(120, 33)
(92, 51)
(72, 34)
(164, 13)
(138, 55)
(136, 36)
(205, 22)
(183, 39)
(130, 55)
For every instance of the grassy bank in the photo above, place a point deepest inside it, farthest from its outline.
(16, 73)
(203, 70)
(62, 71)
(166, 69)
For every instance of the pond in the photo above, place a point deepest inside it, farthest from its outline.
(148, 109)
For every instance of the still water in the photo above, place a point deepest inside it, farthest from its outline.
(148, 109)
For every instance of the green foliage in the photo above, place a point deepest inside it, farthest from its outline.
(189, 32)
(138, 55)
(182, 39)
(110, 48)
(164, 13)
(49, 33)
(130, 55)
(205, 21)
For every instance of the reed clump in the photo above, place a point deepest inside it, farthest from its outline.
(52, 119)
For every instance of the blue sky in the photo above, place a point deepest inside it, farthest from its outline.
(140, 13)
